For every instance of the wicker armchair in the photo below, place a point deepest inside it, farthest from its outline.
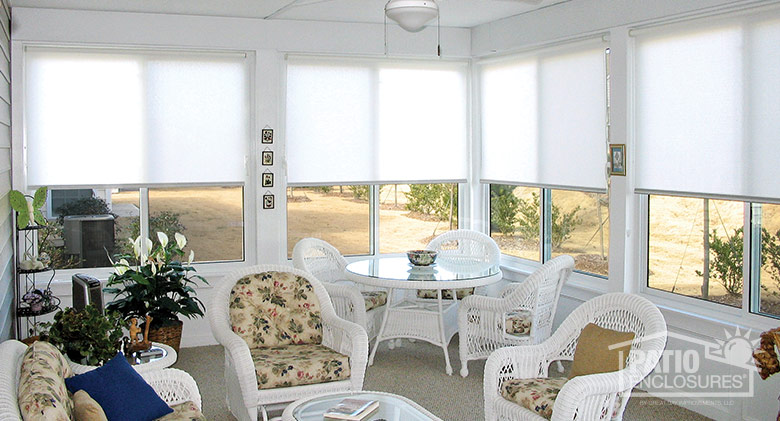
(586, 397)
(357, 303)
(523, 315)
(269, 316)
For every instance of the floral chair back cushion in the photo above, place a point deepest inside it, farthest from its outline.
(275, 308)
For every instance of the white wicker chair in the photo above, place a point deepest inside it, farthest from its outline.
(326, 263)
(482, 321)
(243, 395)
(465, 250)
(587, 397)
(172, 385)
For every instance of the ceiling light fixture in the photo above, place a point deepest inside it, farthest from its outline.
(412, 15)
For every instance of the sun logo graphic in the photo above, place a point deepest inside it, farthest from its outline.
(691, 367)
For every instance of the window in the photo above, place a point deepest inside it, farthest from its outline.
(351, 123)
(695, 248)
(576, 223)
(136, 141)
(544, 120)
(410, 215)
(340, 215)
(710, 182)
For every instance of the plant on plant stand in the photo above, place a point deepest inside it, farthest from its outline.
(160, 285)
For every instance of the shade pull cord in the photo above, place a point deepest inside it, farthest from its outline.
(438, 34)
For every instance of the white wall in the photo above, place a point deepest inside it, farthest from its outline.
(6, 221)
(614, 19)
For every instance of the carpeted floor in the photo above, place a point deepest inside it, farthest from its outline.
(416, 371)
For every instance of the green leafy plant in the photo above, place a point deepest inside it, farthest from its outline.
(361, 192)
(166, 222)
(504, 206)
(770, 255)
(28, 212)
(85, 206)
(159, 285)
(86, 336)
(563, 223)
(726, 260)
(433, 199)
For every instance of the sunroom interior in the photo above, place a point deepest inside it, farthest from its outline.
(299, 122)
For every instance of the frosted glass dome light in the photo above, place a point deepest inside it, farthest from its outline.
(412, 15)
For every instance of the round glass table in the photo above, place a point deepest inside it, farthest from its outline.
(432, 320)
(391, 407)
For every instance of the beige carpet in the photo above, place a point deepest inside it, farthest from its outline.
(416, 371)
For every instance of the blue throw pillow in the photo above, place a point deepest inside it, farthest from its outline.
(122, 393)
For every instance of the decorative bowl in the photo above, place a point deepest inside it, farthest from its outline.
(421, 257)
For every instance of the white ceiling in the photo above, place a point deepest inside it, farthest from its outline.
(454, 13)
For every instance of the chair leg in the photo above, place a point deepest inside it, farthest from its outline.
(265, 413)
(560, 366)
(464, 369)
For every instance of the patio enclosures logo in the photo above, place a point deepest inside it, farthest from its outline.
(696, 369)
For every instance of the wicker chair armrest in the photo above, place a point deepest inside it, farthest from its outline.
(508, 289)
(596, 388)
(174, 386)
(237, 351)
(348, 292)
(518, 362)
(485, 303)
(349, 339)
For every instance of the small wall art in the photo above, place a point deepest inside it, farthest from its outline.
(268, 201)
(268, 179)
(268, 158)
(267, 135)
(617, 159)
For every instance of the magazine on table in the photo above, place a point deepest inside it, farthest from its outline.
(351, 409)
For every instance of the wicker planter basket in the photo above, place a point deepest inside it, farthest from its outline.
(168, 335)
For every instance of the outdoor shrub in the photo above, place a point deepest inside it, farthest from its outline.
(323, 189)
(563, 223)
(85, 206)
(165, 221)
(503, 209)
(361, 192)
(726, 260)
(770, 255)
(433, 199)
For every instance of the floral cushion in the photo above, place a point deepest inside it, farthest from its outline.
(374, 299)
(42, 394)
(293, 365)
(537, 395)
(518, 323)
(185, 411)
(275, 308)
(446, 293)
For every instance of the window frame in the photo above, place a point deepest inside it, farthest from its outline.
(249, 184)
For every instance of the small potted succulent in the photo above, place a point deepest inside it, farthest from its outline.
(159, 285)
(86, 336)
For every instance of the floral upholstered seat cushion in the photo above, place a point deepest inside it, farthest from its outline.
(537, 394)
(42, 393)
(185, 411)
(294, 365)
(518, 323)
(374, 299)
(446, 293)
(275, 308)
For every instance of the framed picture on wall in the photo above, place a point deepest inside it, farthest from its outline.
(268, 179)
(268, 201)
(268, 158)
(617, 159)
(267, 136)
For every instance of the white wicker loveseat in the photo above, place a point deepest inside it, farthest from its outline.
(523, 315)
(173, 386)
(357, 303)
(600, 396)
(283, 340)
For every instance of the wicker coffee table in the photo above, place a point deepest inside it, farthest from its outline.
(391, 407)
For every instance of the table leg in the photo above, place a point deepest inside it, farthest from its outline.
(443, 335)
(382, 328)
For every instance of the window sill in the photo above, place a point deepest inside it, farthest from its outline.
(579, 285)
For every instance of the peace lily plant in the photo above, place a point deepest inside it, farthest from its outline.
(160, 285)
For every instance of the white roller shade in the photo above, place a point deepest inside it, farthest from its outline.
(707, 108)
(134, 118)
(354, 121)
(544, 117)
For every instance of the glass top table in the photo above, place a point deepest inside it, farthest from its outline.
(433, 320)
(391, 407)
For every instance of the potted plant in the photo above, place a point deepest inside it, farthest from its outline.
(160, 285)
(86, 336)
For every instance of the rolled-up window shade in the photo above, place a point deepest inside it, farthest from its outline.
(707, 108)
(544, 117)
(135, 118)
(361, 121)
